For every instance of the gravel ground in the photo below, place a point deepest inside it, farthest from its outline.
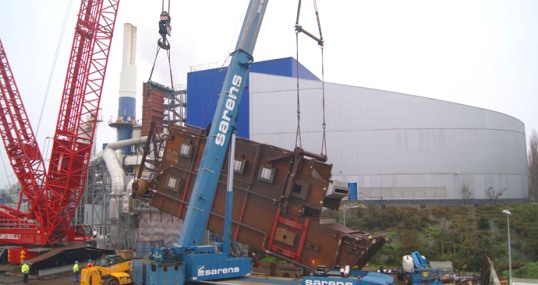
(10, 274)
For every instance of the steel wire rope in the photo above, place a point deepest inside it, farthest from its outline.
(172, 87)
(184, 174)
(298, 142)
(321, 42)
(59, 43)
(217, 82)
(162, 6)
(154, 62)
(164, 44)
(5, 170)
(323, 124)
(170, 72)
(322, 45)
(214, 95)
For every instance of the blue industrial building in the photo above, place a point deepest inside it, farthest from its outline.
(390, 146)
(204, 87)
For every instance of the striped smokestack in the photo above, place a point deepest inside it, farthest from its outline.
(127, 94)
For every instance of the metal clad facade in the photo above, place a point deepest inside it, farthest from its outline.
(205, 85)
(396, 146)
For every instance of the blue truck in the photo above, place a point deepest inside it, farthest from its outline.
(416, 270)
(344, 276)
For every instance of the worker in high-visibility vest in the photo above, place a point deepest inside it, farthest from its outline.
(76, 271)
(25, 269)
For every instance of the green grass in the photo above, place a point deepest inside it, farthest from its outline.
(461, 234)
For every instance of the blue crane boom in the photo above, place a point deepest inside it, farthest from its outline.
(224, 121)
(190, 260)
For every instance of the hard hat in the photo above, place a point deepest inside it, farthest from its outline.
(76, 262)
(89, 260)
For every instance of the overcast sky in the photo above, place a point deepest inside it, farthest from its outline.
(478, 53)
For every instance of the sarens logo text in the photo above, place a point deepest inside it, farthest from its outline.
(216, 271)
(327, 282)
(225, 119)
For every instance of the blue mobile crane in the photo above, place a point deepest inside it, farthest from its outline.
(190, 260)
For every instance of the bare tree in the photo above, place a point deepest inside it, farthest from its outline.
(493, 194)
(533, 166)
(466, 193)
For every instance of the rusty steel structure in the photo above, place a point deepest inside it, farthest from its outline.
(278, 198)
(153, 101)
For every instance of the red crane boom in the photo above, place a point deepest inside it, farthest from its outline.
(77, 118)
(54, 199)
(19, 140)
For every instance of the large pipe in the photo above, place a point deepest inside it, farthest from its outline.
(128, 142)
(117, 178)
(116, 172)
(116, 145)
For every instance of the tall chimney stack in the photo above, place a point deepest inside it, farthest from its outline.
(127, 94)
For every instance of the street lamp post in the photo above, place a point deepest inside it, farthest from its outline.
(508, 214)
(345, 210)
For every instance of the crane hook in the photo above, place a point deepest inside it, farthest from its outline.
(165, 29)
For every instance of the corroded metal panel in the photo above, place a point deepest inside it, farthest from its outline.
(278, 197)
(153, 95)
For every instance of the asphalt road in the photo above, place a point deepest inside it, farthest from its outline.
(10, 275)
(10, 279)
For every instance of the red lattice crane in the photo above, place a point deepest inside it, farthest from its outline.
(19, 140)
(53, 195)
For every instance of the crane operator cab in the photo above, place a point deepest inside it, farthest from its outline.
(81, 233)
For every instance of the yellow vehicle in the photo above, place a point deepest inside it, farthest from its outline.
(109, 270)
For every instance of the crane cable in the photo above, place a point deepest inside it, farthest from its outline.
(165, 29)
(298, 142)
(320, 41)
(324, 124)
(53, 68)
